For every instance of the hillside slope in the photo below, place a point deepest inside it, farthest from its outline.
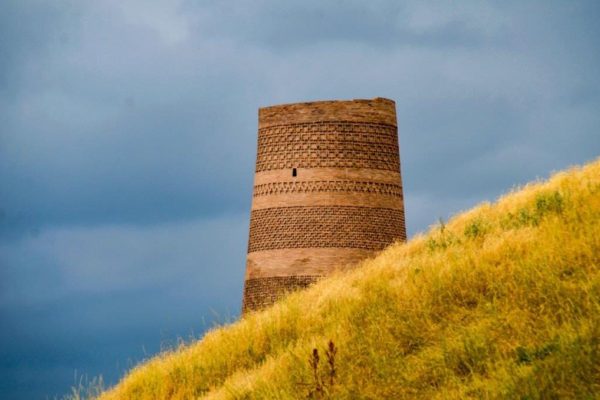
(501, 302)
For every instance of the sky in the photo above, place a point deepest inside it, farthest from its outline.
(128, 142)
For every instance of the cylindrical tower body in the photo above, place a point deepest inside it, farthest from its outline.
(327, 193)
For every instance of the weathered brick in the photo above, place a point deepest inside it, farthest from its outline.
(327, 191)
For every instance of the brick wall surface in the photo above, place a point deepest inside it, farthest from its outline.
(327, 191)
(261, 292)
(328, 144)
(324, 226)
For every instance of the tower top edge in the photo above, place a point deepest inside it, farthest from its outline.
(325, 102)
(376, 110)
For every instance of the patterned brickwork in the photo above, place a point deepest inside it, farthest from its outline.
(263, 292)
(388, 189)
(328, 144)
(327, 193)
(325, 226)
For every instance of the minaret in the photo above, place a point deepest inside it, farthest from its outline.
(327, 193)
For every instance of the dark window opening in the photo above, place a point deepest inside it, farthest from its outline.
(294, 172)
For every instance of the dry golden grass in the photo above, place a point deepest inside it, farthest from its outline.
(501, 302)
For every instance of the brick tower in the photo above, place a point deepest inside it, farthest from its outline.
(327, 193)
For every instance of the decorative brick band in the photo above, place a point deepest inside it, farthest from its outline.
(263, 292)
(328, 144)
(388, 189)
(325, 226)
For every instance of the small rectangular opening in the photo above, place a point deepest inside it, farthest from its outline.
(294, 172)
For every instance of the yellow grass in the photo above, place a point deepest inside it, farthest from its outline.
(501, 302)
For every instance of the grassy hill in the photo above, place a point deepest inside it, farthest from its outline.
(503, 301)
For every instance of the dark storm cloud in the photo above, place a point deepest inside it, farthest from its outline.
(118, 128)
(144, 166)
(128, 134)
(97, 300)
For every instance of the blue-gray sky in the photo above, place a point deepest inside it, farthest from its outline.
(128, 137)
